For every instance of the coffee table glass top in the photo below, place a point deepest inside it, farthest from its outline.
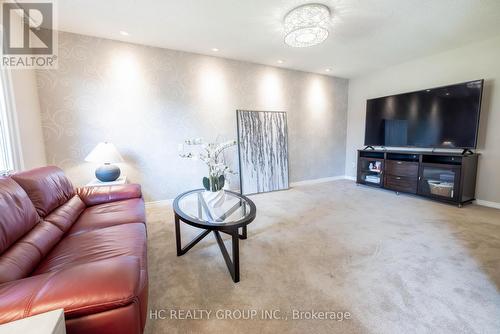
(204, 207)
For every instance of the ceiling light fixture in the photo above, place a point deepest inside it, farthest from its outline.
(307, 25)
(215, 49)
(279, 61)
(328, 70)
(123, 33)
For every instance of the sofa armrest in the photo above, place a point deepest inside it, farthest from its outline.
(105, 194)
(80, 290)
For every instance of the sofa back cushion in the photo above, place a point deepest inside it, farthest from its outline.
(24, 239)
(25, 254)
(47, 187)
(17, 213)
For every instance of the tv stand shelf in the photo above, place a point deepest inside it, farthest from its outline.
(447, 177)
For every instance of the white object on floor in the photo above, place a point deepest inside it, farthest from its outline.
(45, 323)
(97, 183)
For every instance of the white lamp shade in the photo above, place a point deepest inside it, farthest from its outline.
(104, 153)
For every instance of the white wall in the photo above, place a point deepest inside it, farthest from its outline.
(475, 61)
(147, 100)
(27, 107)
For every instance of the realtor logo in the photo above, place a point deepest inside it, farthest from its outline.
(28, 35)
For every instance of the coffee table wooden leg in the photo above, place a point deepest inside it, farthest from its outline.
(178, 236)
(194, 241)
(180, 250)
(232, 265)
(243, 234)
(236, 255)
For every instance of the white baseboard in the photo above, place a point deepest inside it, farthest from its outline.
(321, 180)
(488, 203)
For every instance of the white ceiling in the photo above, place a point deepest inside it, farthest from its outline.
(366, 35)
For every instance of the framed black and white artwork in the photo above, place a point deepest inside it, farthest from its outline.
(263, 151)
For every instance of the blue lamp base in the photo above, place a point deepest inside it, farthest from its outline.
(107, 173)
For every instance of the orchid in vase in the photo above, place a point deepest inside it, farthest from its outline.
(212, 154)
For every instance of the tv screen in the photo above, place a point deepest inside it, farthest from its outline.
(443, 117)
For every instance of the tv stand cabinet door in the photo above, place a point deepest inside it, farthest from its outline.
(439, 182)
(373, 177)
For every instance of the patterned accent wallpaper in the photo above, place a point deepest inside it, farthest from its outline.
(147, 100)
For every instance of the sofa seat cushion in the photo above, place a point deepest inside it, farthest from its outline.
(96, 245)
(110, 214)
(81, 290)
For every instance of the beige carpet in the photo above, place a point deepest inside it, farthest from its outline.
(397, 264)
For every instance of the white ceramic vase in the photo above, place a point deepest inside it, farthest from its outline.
(215, 199)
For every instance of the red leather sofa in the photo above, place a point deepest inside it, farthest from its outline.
(83, 250)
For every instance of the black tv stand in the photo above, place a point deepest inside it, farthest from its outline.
(369, 147)
(467, 151)
(445, 176)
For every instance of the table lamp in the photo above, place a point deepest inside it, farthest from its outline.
(105, 154)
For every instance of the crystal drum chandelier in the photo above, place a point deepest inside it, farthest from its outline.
(307, 25)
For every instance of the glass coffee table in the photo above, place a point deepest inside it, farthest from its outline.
(235, 212)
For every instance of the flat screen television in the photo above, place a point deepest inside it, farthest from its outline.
(442, 117)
